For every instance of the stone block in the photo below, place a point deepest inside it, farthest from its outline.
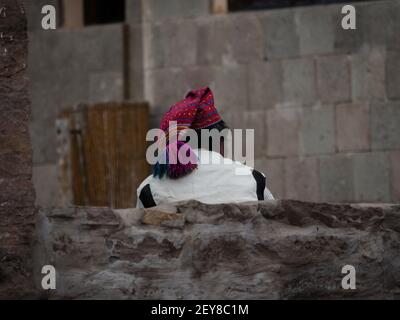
(106, 87)
(275, 172)
(231, 88)
(136, 64)
(164, 87)
(315, 27)
(257, 121)
(393, 75)
(318, 130)
(336, 178)
(348, 41)
(385, 126)
(199, 76)
(371, 177)
(229, 40)
(173, 44)
(333, 79)
(283, 130)
(299, 81)
(378, 21)
(352, 127)
(265, 85)
(280, 36)
(45, 181)
(134, 11)
(395, 176)
(368, 75)
(302, 179)
(158, 10)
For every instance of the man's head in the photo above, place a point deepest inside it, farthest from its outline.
(197, 111)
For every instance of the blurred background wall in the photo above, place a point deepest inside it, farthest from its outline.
(324, 102)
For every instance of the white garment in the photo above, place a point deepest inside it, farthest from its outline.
(214, 181)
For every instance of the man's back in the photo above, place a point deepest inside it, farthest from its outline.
(216, 180)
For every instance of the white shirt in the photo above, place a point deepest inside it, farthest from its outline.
(216, 180)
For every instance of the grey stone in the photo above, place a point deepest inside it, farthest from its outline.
(385, 128)
(348, 41)
(198, 77)
(265, 85)
(371, 177)
(274, 171)
(393, 75)
(257, 121)
(336, 178)
(302, 179)
(352, 127)
(231, 91)
(368, 75)
(299, 81)
(315, 27)
(232, 39)
(158, 10)
(299, 246)
(164, 87)
(318, 130)
(333, 79)
(134, 11)
(395, 175)
(172, 44)
(45, 181)
(280, 35)
(106, 87)
(283, 127)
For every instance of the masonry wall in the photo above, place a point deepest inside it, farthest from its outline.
(323, 101)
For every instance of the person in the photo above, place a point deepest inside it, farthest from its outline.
(209, 177)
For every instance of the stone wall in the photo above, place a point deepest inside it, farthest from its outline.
(324, 102)
(16, 191)
(265, 250)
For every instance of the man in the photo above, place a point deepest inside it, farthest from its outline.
(208, 177)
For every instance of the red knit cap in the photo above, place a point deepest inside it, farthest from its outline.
(196, 111)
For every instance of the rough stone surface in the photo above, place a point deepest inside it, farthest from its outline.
(299, 81)
(336, 178)
(368, 75)
(385, 129)
(318, 130)
(265, 250)
(280, 35)
(283, 126)
(371, 177)
(393, 74)
(315, 27)
(333, 78)
(302, 179)
(16, 190)
(352, 127)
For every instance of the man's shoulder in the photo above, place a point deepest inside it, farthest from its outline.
(145, 182)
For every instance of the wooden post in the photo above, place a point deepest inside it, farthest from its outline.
(73, 13)
(219, 6)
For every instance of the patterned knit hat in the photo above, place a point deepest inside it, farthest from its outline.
(196, 111)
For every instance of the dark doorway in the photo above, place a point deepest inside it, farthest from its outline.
(239, 5)
(102, 12)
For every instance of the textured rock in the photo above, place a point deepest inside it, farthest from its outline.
(16, 191)
(264, 250)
